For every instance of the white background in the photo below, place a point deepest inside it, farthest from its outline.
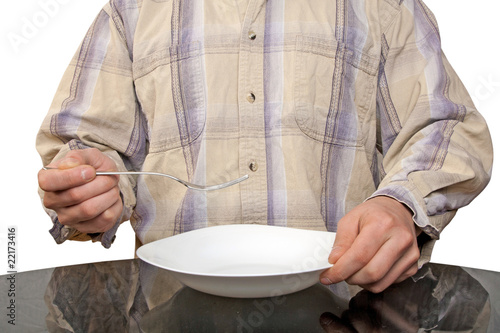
(31, 69)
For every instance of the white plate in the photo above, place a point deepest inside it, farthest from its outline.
(243, 260)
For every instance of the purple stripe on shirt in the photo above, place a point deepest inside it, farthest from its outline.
(429, 153)
(65, 123)
(125, 16)
(190, 108)
(273, 107)
(341, 127)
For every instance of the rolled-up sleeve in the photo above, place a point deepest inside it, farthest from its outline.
(436, 147)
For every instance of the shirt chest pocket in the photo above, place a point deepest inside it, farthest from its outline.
(333, 90)
(170, 87)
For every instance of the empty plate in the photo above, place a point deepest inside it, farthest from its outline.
(243, 260)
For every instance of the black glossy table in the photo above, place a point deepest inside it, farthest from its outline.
(133, 296)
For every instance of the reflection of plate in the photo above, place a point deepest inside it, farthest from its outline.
(243, 260)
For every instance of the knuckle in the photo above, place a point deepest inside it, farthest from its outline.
(87, 210)
(74, 195)
(64, 219)
(93, 154)
(373, 274)
(103, 223)
(406, 275)
(412, 271)
(414, 255)
(406, 238)
(386, 222)
(377, 288)
(48, 202)
(360, 257)
(108, 216)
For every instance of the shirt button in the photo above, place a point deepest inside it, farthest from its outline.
(252, 35)
(253, 166)
(251, 97)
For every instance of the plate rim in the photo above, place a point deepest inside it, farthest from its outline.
(233, 275)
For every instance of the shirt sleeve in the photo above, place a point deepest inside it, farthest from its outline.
(436, 148)
(95, 106)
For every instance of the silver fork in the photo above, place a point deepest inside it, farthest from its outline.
(183, 182)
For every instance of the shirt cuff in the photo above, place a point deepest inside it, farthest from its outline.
(405, 195)
(62, 233)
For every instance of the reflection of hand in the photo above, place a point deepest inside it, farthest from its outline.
(443, 298)
(375, 246)
(333, 324)
(81, 200)
(391, 311)
(367, 320)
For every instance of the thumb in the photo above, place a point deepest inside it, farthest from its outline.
(347, 231)
(93, 157)
(67, 163)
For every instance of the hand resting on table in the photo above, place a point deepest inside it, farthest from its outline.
(375, 246)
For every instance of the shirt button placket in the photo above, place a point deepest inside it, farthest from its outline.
(252, 123)
(251, 96)
(253, 166)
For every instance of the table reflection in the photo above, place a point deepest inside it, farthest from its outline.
(439, 299)
(132, 296)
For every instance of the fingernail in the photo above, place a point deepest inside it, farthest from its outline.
(68, 163)
(87, 173)
(84, 174)
(326, 281)
(333, 254)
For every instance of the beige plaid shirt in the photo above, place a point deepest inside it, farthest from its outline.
(323, 103)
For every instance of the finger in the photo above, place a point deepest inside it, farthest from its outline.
(103, 222)
(88, 209)
(402, 269)
(65, 163)
(331, 323)
(93, 157)
(60, 180)
(362, 250)
(347, 231)
(395, 255)
(77, 195)
(412, 270)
